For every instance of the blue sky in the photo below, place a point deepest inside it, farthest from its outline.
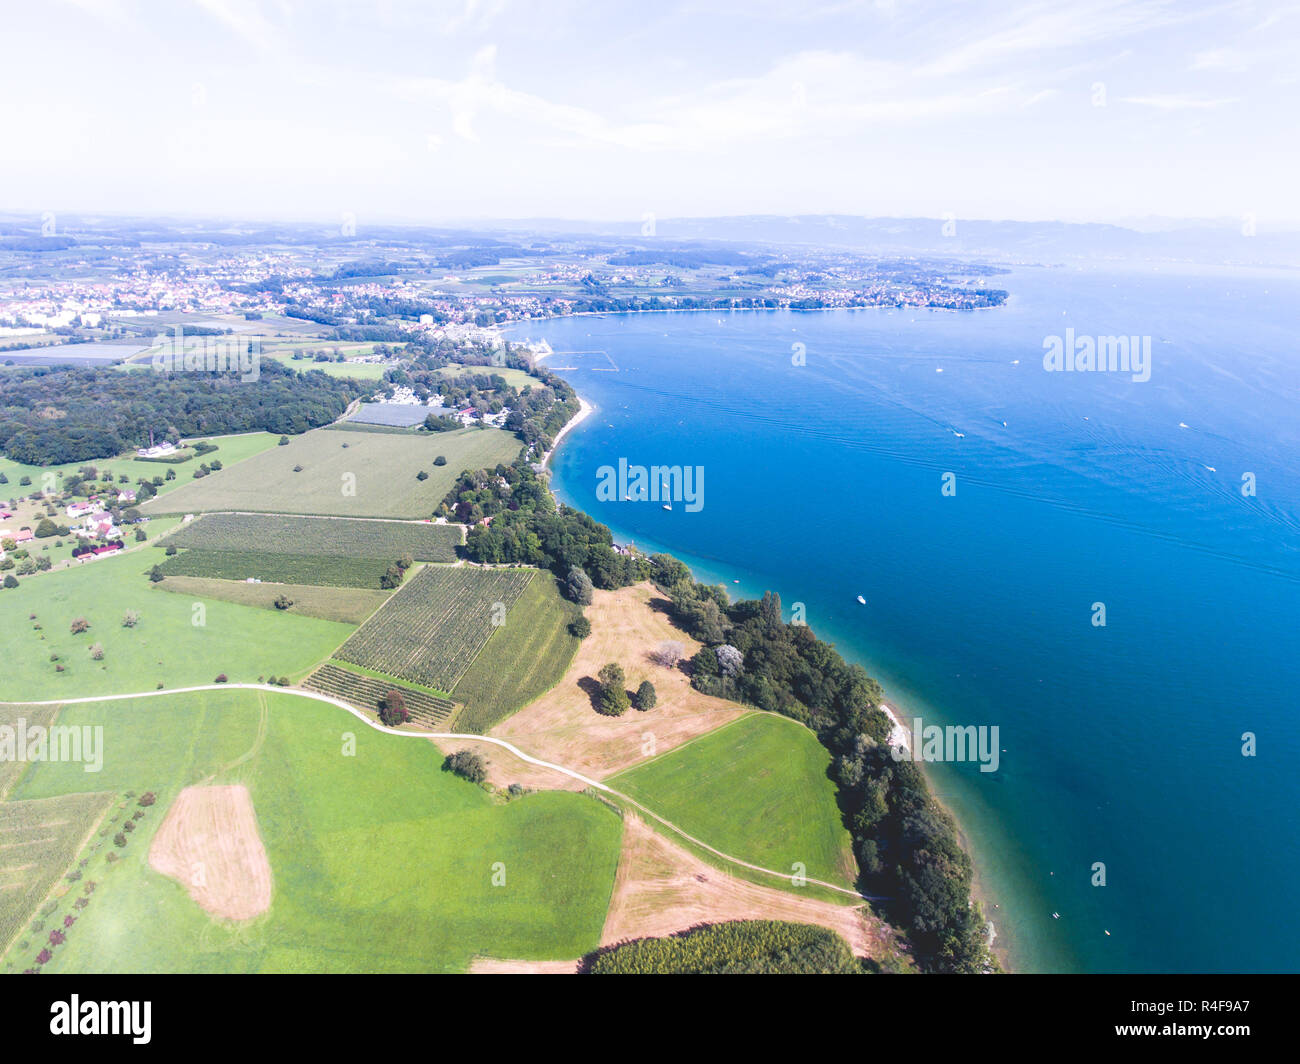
(1076, 110)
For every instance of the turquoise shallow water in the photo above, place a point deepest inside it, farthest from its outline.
(1123, 743)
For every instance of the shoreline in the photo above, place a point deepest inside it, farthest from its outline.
(979, 890)
(585, 410)
(900, 736)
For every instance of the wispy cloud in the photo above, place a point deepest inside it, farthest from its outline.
(243, 18)
(1177, 102)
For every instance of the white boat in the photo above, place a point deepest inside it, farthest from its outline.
(862, 601)
(1056, 916)
(668, 506)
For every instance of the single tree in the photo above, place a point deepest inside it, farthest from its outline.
(578, 586)
(645, 697)
(392, 709)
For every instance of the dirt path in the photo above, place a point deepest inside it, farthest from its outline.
(423, 735)
(661, 889)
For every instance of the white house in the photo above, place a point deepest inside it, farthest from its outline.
(84, 509)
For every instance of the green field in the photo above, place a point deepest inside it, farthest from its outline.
(368, 371)
(351, 605)
(516, 378)
(39, 840)
(336, 537)
(355, 474)
(755, 789)
(277, 568)
(381, 861)
(165, 647)
(231, 450)
(433, 628)
(522, 660)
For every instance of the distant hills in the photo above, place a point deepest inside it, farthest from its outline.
(1217, 241)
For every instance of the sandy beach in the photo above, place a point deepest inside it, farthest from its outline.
(584, 409)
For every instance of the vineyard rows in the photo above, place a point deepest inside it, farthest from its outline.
(337, 537)
(365, 692)
(431, 631)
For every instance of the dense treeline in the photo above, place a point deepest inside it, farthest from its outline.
(742, 947)
(49, 416)
(528, 528)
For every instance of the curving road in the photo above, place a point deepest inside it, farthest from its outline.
(586, 780)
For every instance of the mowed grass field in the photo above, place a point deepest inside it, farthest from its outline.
(39, 840)
(352, 474)
(434, 627)
(231, 450)
(369, 874)
(331, 537)
(523, 659)
(350, 605)
(756, 789)
(165, 647)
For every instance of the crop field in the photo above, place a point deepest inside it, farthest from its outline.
(351, 605)
(365, 878)
(756, 789)
(523, 659)
(170, 644)
(337, 537)
(352, 474)
(10, 715)
(435, 626)
(277, 568)
(427, 710)
(39, 840)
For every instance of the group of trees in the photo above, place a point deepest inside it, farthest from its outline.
(54, 415)
(740, 947)
(528, 528)
(612, 699)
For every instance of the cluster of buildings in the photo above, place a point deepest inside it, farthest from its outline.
(96, 522)
(466, 415)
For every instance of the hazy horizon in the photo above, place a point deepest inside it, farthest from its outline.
(447, 113)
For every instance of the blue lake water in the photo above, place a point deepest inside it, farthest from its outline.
(1123, 743)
